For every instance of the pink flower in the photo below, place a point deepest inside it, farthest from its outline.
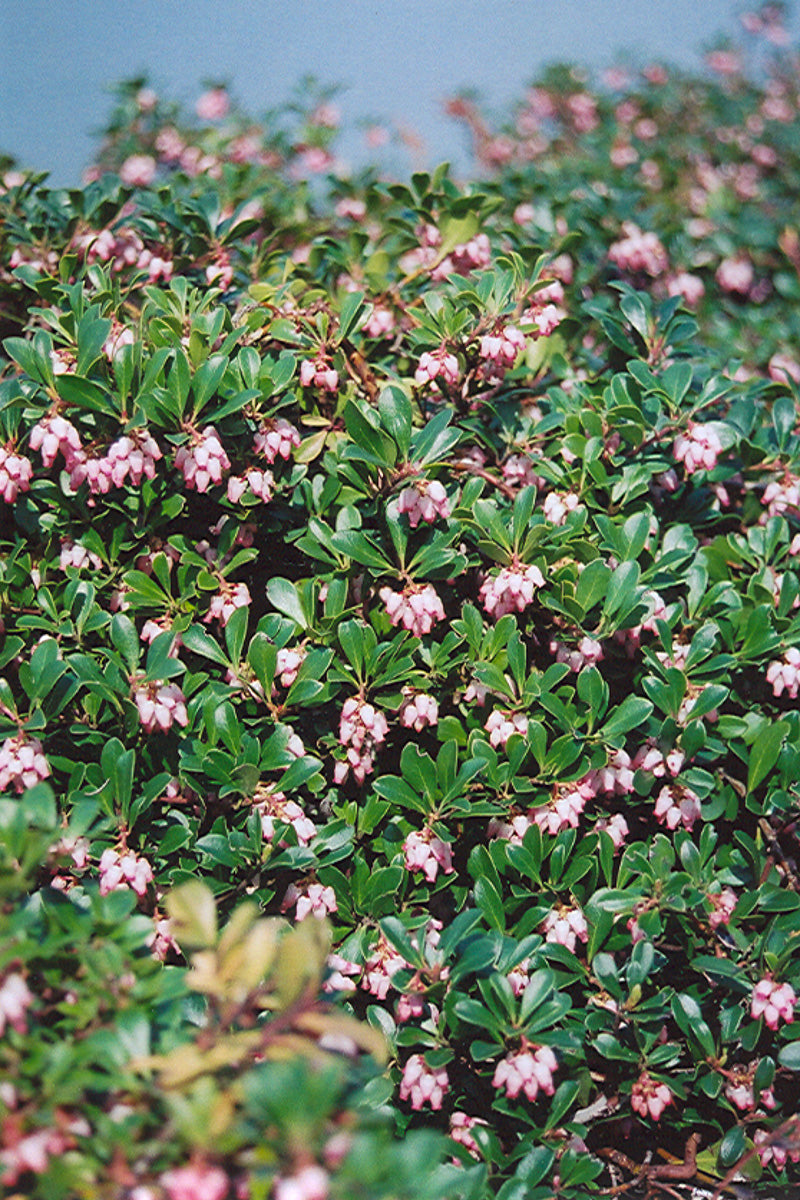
(275, 807)
(427, 853)
(16, 472)
(782, 496)
(777, 1151)
(380, 322)
(319, 373)
(361, 729)
(639, 252)
(460, 1126)
(342, 970)
(615, 826)
(565, 926)
(735, 275)
(781, 365)
(54, 434)
(220, 271)
(564, 808)
(501, 724)
(615, 777)
(196, 1181)
(649, 1098)
(160, 705)
(785, 675)
(773, 1001)
(138, 170)
(213, 105)
(417, 608)
(690, 287)
(316, 901)
(437, 364)
(124, 870)
(287, 664)
(511, 589)
(527, 1071)
(15, 999)
(502, 348)
(423, 501)
(225, 603)
(698, 448)
(676, 805)
(202, 460)
(22, 763)
(135, 454)
(423, 1085)
(309, 1183)
(558, 506)
(418, 711)
(586, 653)
(722, 905)
(380, 967)
(275, 438)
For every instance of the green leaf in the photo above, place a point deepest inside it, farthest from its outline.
(789, 1056)
(282, 595)
(82, 393)
(689, 1015)
(126, 640)
(395, 411)
(764, 752)
(592, 584)
(361, 549)
(490, 902)
(199, 642)
(631, 714)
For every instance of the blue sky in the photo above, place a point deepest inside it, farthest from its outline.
(396, 58)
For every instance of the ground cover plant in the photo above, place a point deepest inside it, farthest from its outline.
(401, 651)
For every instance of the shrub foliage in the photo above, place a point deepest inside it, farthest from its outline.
(402, 578)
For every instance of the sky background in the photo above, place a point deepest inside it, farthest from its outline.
(396, 59)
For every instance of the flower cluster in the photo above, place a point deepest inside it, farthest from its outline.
(314, 900)
(422, 1084)
(528, 1070)
(677, 805)
(419, 710)
(274, 807)
(423, 501)
(437, 364)
(649, 1098)
(226, 601)
(54, 435)
(785, 675)
(16, 472)
(565, 926)
(15, 1000)
(22, 763)
(511, 590)
(698, 449)
(417, 608)
(362, 728)
(639, 252)
(773, 1001)
(501, 724)
(318, 372)
(160, 705)
(427, 853)
(124, 870)
(564, 807)
(288, 662)
(203, 460)
(275, 438)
